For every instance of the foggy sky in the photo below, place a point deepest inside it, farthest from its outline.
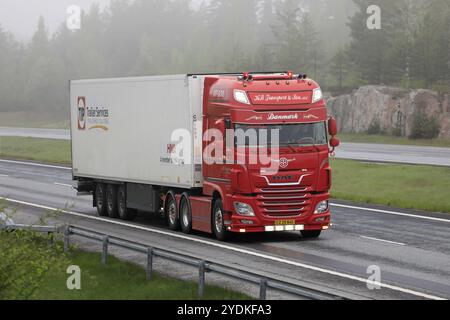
(21, 16)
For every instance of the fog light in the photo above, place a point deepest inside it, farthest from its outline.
(299, 228)
(279, 228)
(290, 228)
(270, 229)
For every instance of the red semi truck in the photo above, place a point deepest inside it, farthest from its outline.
(126, 134)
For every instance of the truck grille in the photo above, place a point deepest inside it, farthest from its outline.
(284, 202)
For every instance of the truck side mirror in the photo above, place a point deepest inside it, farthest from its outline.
(335, 142)
(332, 127)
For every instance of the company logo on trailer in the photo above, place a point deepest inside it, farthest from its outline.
(82, 113)
(91, 117)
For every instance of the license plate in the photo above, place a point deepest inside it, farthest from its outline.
(284, 222)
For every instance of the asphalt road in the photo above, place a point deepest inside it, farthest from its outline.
(353, 151)
(412, 249)
(54, 134)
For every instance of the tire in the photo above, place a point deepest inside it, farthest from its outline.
(185, 214)
(218, 225)
(173, 219)
(100, 200)
(111, 201)
(311, 234)
(124, 212)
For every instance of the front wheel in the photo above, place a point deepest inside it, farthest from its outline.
(311, 234)
(218, 223)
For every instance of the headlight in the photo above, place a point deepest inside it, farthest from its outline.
(244, 209)
(322, 207)
(317, 95)
(241, 96)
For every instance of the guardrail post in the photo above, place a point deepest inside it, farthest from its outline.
(66, 239)
(149, 263)
(201, 279)
(105, 250)
(51, 239)
(263, 289)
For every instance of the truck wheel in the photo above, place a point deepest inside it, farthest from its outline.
(185, 214)
(111, 201)
(311, 234)
(100, 200)
(218, 224)
(125, 213)
(172, 217)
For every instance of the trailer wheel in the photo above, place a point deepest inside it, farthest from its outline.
(100, 199)
(185, 214)
(172, 216)
(311, 234)
(111, 201)
(218, 224)
(125, 213)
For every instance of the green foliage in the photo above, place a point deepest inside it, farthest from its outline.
(25, 260)
(424, 127)
(375, 127)
(412, 50)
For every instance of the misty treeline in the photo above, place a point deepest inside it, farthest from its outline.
(328, 40)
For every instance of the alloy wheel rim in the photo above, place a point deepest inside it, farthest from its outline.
(172, 213)
(219, 220)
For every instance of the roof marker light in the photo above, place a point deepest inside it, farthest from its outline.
(241, 96)
(317, 95)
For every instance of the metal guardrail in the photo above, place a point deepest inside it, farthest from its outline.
(151, 252)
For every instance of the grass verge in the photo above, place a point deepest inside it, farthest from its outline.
(119, 280)
(403, 186)
(43, 150)
(384, 139)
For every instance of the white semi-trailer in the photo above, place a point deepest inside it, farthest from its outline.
(137, 144)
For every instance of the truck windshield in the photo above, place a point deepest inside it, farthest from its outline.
(305, 134)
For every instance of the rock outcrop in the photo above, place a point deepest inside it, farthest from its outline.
(392, 108)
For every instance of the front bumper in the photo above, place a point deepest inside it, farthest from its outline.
(263, 221)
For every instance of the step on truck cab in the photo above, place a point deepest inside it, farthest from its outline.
(222, 153)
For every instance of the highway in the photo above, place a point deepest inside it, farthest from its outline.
(412, 249)
(352, 151)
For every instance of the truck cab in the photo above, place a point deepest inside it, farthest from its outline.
(288, 190)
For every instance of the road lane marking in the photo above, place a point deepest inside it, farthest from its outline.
(4, 175)
(230, 248)
(381, 240)
(35, 164)
(63, 185)
(390, 212)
